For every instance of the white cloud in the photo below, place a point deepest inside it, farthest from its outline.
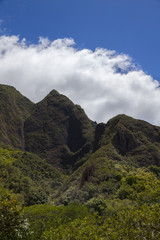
(103, 82)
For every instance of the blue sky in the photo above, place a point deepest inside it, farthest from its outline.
(127, 26)
(103, 54)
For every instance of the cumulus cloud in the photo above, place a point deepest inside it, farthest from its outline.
(103, 82)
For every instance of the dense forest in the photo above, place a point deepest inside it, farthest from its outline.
(65, 177)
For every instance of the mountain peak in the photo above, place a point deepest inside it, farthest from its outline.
(58, 130)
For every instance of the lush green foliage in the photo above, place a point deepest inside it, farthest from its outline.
(44, 217)
(13, 224)
(28, 175)
(121, 221)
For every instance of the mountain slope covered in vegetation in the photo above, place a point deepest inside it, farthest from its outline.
(124, 148)
(59, 131)
(14, 109)
(74, 178)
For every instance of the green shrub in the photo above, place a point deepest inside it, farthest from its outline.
(13, 224)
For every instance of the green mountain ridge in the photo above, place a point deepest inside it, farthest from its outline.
(71, 173)
(124, 146)
(59, 131)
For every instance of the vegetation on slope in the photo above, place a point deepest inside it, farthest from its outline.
(105, 171)
(136, 140)
(14, 109)
(127, 224)
(59, 131)
(13, 224)
(111, 186)
(28, 175)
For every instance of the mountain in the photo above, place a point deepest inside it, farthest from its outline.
(55, 128)
(89, 159)
(14, 109)
(63, 168)
(135, 140)
(59, 131)
(122, 147)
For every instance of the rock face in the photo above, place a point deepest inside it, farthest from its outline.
(58, 130)
(99, 131)
(14, 109)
